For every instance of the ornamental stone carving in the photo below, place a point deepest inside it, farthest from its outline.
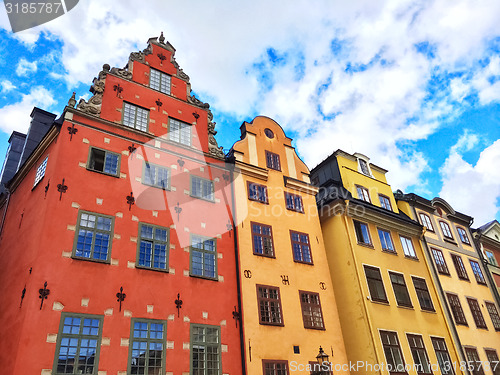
(197, 102)
(141, 55)
(122, 73)
(93, 106)
(213, 147)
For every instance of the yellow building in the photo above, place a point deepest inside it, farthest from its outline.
(289, 307)
(391, 316)
(462, 278)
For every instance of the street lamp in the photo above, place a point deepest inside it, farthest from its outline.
(322, 357)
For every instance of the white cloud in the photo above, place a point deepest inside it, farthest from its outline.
(7, 86)
(24, 67)
(17, 116)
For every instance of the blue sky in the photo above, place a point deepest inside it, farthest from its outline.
(412, 84)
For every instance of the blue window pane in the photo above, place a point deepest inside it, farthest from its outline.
(111, 163)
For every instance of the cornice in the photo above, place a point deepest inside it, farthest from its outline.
(300, 186)
(251, 170)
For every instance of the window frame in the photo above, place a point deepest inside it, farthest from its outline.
(385, 201)
(40, 172)
(396, 346)
(61, 335)
(376, 280)
(426, 221)
(203, 180)
(154, 241)
(459, 267)
(401, 288)
(274, 361)
(301, 244)
(268, 300)
(419, 351)
(442, 268)
(478, 273)
(95, 230)
(478, 366)
(313, 307)
(203, 251)
(294, 207)
(182, 124)
(422, 293)
(462, 234)
(147, 165)
(456, 309)
(135, 117)
(365, 194)
(445, 227)
(363, 163)
(492, 358)
(477, 314)
(253, 234)
(192, 343)
(393, 250)
(106, 152)
(161, 74)
(494, 315)
(445, 368)
(490, 259)
(274, 158)
(265, 200)
(360, 231)
(148, 340)
(412, 248)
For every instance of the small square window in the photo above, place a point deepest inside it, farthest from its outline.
(296, 349)
(375, 284)
(294, 202)
(104, 161)
(135, 117)
(408, 248)
(311, 310)
(386, 240)
(257, 192)
(262, 239)
(93, 236)
(363, 193)
(269, 301)
(159, 81)
(147, 347)
(40, 171)
(157, 176)
(385, 202)
(179, 132)
(362, 233)
(153, 247)
(202, 188)
(273, 161)
(301, 247)
(463, 236)
(203, 257)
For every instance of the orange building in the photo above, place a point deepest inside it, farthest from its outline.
(117, 242)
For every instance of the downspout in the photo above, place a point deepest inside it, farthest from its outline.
(444, 305)
(5, 212)
(238, 275)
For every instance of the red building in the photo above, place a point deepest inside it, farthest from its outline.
(117, 247)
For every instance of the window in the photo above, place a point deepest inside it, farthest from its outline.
(273, 161)
(201, 188)
(419, 354)
(103, 161)
(203, 257)
(156, 176)
(269, 133)
(476, 269)
(159, 81)
(385, 202)
(205, 349)
(179, 132)
(78, 344)
(294, 202)
(423, 295)
(459, 266)
(257, 192)
(301, 248)
(147, 347)
(446, 230)
(440, 262)
(491, 257)
(40, 171)
(442, 355)
(463, 235)
(135, 117)
(495, 318)
(363, 193)
(408, 248)
(153, 247)
(456, 309)
(475, 309)
(473, 361)
(426, 222)
(93, 238)
(268, 298)
(262, 239)
(392, 350)
(270, 367)
(311, 310)
(363, 167)
(362, 233)
(386, 240)
(400, 289)
(375, 284)
(492, 357)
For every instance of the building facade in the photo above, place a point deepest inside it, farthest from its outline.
(464, 284)
(118, 255)
(290, 310)
(392, 319)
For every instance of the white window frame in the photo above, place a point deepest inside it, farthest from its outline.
(40, 171)
(164, 81)
(179, 132)
(408, 248)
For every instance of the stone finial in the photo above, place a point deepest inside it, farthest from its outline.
(72, 100)
(162, 38)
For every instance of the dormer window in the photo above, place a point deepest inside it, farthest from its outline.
(159, 81)
(363, 166)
